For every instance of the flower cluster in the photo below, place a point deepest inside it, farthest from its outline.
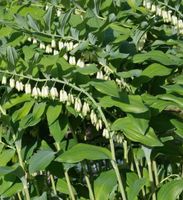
(83, 108)
(55, 47)
(167, 15)
(104, 73)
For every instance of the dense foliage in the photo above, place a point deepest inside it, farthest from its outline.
(91, 99)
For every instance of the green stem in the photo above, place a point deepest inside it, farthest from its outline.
(69, 186)
(53, 185)
(155, 172)
(88, 183)
(125, 148)
(151, 180)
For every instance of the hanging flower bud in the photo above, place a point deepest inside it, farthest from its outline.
(75, 45)
(35, 92)
(27, 88)
(85, 108)
(70, 46)
(60, 45)
(65, 56)
(158, 11)
(77, 105)
(55, 52)
(45, 91)
(148, 5)
(21, 86)
(53, 43)
(58, 13)
(100, 75)
(53, 92)
(105, 133)
(48, 49)
(4, 80)
(153, 8)
(63, 96)
(174, 20)
(80, 63)
(46, 8)
(72, 60)
(70, 98)
(12, 82)
(34, 41)
(42, 45)
(29, 39)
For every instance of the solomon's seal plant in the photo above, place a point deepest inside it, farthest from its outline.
(91, 100)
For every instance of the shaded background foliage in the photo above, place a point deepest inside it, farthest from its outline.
(131, 80)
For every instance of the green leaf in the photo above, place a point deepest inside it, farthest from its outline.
(127, 103)
(59, 128)
(87, 70)
(136, 130)
(11, 55)
(40, 160)
(6, 156)
(32, 23)
(53, 113)
(6, 170)
(15, 188)
(135, 188)
(104, 185)
(154, 55)
(63, 188)
(178, 89)
(179, 127)
(22, 112)
(42, 197)
(17, 100)
(106, 87)
(170, 190)
(156, 70)
(48, 18)
(84, 151)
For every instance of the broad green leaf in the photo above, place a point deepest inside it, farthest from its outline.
(84, 151)
(133, 128)
(170, 190)
(63, 188)
(11, 55)
(15, 188)
(6, 156)
(22, 112)
(156, 70)
(32, 23)
(40, 160)
(179, 127)
(87, 70)
(154, 55)
(48, 18)
(17, 100)
(42, 197)
(106, 87)
(104, 185)
(53, 113)
(127, 103)
(59, 128)
(6, 170)
(178, 89)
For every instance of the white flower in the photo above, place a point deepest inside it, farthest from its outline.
(80, 63)
(42, 45)
(45, 91)
(180, 24)
(72, 60)
(93, 117)
(153, 8)
(21, 86)
(34, 41)
(35, 92)
(99, 125)
(70, 98)
(53, 43)
(100, 75)
(85, 108)
(4, 80)
(174, 20)
(60, 45)
(77, 105)
(55, 52)
(12, 82)
(148, 5)
(58, 13)
(158, 11)
(75, 45)
(65, 56)
(165, 15)
(105, 133)
(29, 39)
(53, 92)
(46, 8)
(48, 49)
(27, 88)
(70, 46)
(63, 96)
